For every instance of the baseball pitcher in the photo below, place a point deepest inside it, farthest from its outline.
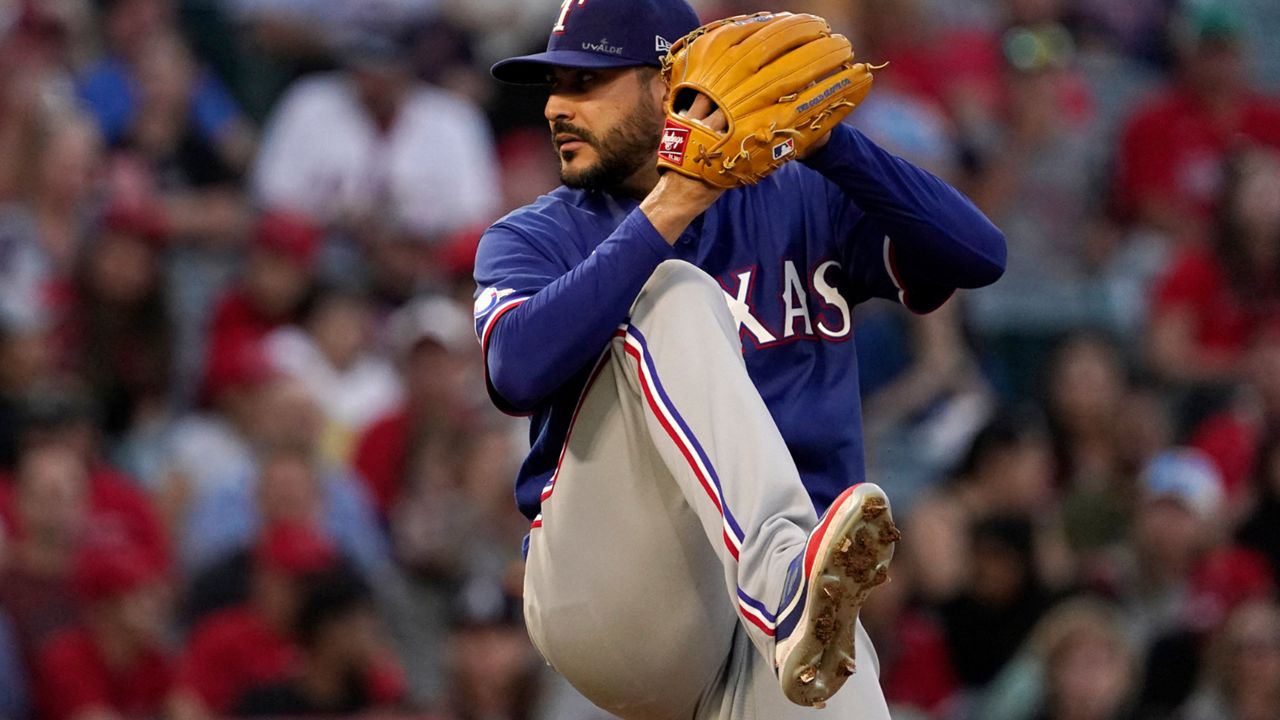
(676, 321)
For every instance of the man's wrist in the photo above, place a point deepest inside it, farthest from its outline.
(817, 146)
(818, 151)
(675, 202)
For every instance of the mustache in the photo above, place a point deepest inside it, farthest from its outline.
(561, 127)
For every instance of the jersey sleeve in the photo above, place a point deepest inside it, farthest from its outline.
(910, 236)
(539, 318)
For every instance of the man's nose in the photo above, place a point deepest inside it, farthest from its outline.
(558, 108)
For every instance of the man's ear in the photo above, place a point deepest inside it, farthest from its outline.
(656, 85)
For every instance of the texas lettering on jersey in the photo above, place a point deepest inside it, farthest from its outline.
(831, 321)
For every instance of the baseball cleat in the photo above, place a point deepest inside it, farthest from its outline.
(846, 556)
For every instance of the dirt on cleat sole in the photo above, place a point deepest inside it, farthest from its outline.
(857, 561)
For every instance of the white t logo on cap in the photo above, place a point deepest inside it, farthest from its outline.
(565, 7)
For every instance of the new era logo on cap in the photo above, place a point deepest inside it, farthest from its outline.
(661, 44)
(675, 137)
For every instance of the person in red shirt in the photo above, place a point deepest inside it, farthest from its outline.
(247, 645)
(119, 511)
(341, 667)
(50, 515)
(431, 338)
(1214, 299)
(253, 644)
(1235, 439)
(271, 292)
(1169, 167)
(113, 665)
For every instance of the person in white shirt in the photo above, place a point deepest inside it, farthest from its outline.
(370, 149)
(330, 354)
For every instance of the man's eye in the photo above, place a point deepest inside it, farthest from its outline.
(576, 82)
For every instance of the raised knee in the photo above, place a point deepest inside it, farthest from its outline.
(679, 284)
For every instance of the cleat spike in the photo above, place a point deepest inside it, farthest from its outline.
(848, 667)
(890, 534)
(807, 674)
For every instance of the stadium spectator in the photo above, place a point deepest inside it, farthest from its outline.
(272, 289)
(204, 449)
(38, 51)
(289, 485)
(114, 663)
(1091, 669)
(1216, 298)
(50, 507)
(494, 673)
(430, 338)
(331, 353)
(112, 89)
(190, 182)
(1241, 679)
(119, 510)
(1176, 578)
(284, 549)
(135, 273)
(1235, 437)
(1086, 389)
(1077, 664)
(1169, 166)
(44, 223)
(373, 152)
(1034, 167)
(923, 391)
(1104, 433)
(341, 666)
(1176, 520)
(1002, 599)
(1008, 470)
(25, 369)
(249, 641)
(118, 334)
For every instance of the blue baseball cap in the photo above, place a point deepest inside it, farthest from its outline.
(603, 34)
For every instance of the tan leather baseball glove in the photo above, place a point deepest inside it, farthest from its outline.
(780, 80)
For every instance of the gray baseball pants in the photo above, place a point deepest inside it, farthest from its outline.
(666, 532)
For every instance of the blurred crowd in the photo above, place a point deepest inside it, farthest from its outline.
(247, 461)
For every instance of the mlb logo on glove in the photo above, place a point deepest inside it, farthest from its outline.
(784, 149)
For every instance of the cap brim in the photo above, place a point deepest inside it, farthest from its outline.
(534, 69)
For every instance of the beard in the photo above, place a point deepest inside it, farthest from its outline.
(623, 151)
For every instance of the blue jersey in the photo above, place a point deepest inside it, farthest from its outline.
(793, 255)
